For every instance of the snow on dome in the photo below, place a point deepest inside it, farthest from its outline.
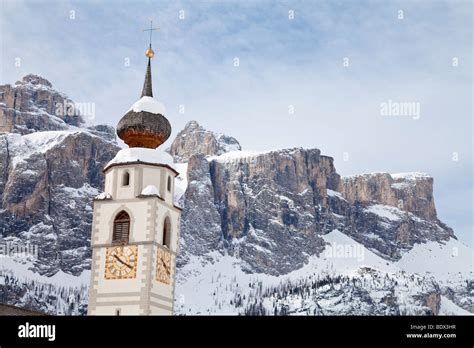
(148, 104)
(135, 154)
(150, 190)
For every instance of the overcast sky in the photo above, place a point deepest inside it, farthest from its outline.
(314, 77)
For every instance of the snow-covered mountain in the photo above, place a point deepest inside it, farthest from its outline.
(262, 231)
(50, 169)
(277, 232)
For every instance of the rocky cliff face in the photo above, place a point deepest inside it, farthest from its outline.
(271, 206)
(390, 213)
(33, 105)
(195, 139)
(411, 192)
(271, 212)
(200, 191)
(274, 207)
(49, 177)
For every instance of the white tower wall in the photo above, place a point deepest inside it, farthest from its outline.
(143, 294)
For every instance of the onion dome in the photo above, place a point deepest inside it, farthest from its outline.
(144, 124)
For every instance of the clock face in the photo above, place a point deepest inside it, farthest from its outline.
(163, 266)
(121, 262)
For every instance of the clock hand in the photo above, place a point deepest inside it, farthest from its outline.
(120, 260)
(167, 268)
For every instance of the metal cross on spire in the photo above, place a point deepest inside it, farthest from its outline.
(147, 88)
(151, 30)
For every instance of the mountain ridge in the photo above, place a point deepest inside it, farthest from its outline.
(268, 215)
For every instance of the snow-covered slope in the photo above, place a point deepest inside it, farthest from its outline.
(345, 279)
(449, 263)
(445, 261)
(448, 307)
(180, 183)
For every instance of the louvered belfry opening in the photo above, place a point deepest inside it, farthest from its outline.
(121, 228)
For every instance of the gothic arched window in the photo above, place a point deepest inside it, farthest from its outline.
(121, 228)
(167, 233)
(169, 184)
(126, 178)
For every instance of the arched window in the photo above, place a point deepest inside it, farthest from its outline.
(126, 178)
(121, 228)
(169, 184)
(167, 233)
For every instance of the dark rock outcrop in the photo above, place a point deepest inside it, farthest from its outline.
(202, 226)
(33, 105)
(273, 202)
(195, 139)
(412, 192)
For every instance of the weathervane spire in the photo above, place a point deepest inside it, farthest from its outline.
(147, 87)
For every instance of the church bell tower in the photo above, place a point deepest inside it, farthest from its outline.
(135, 228)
